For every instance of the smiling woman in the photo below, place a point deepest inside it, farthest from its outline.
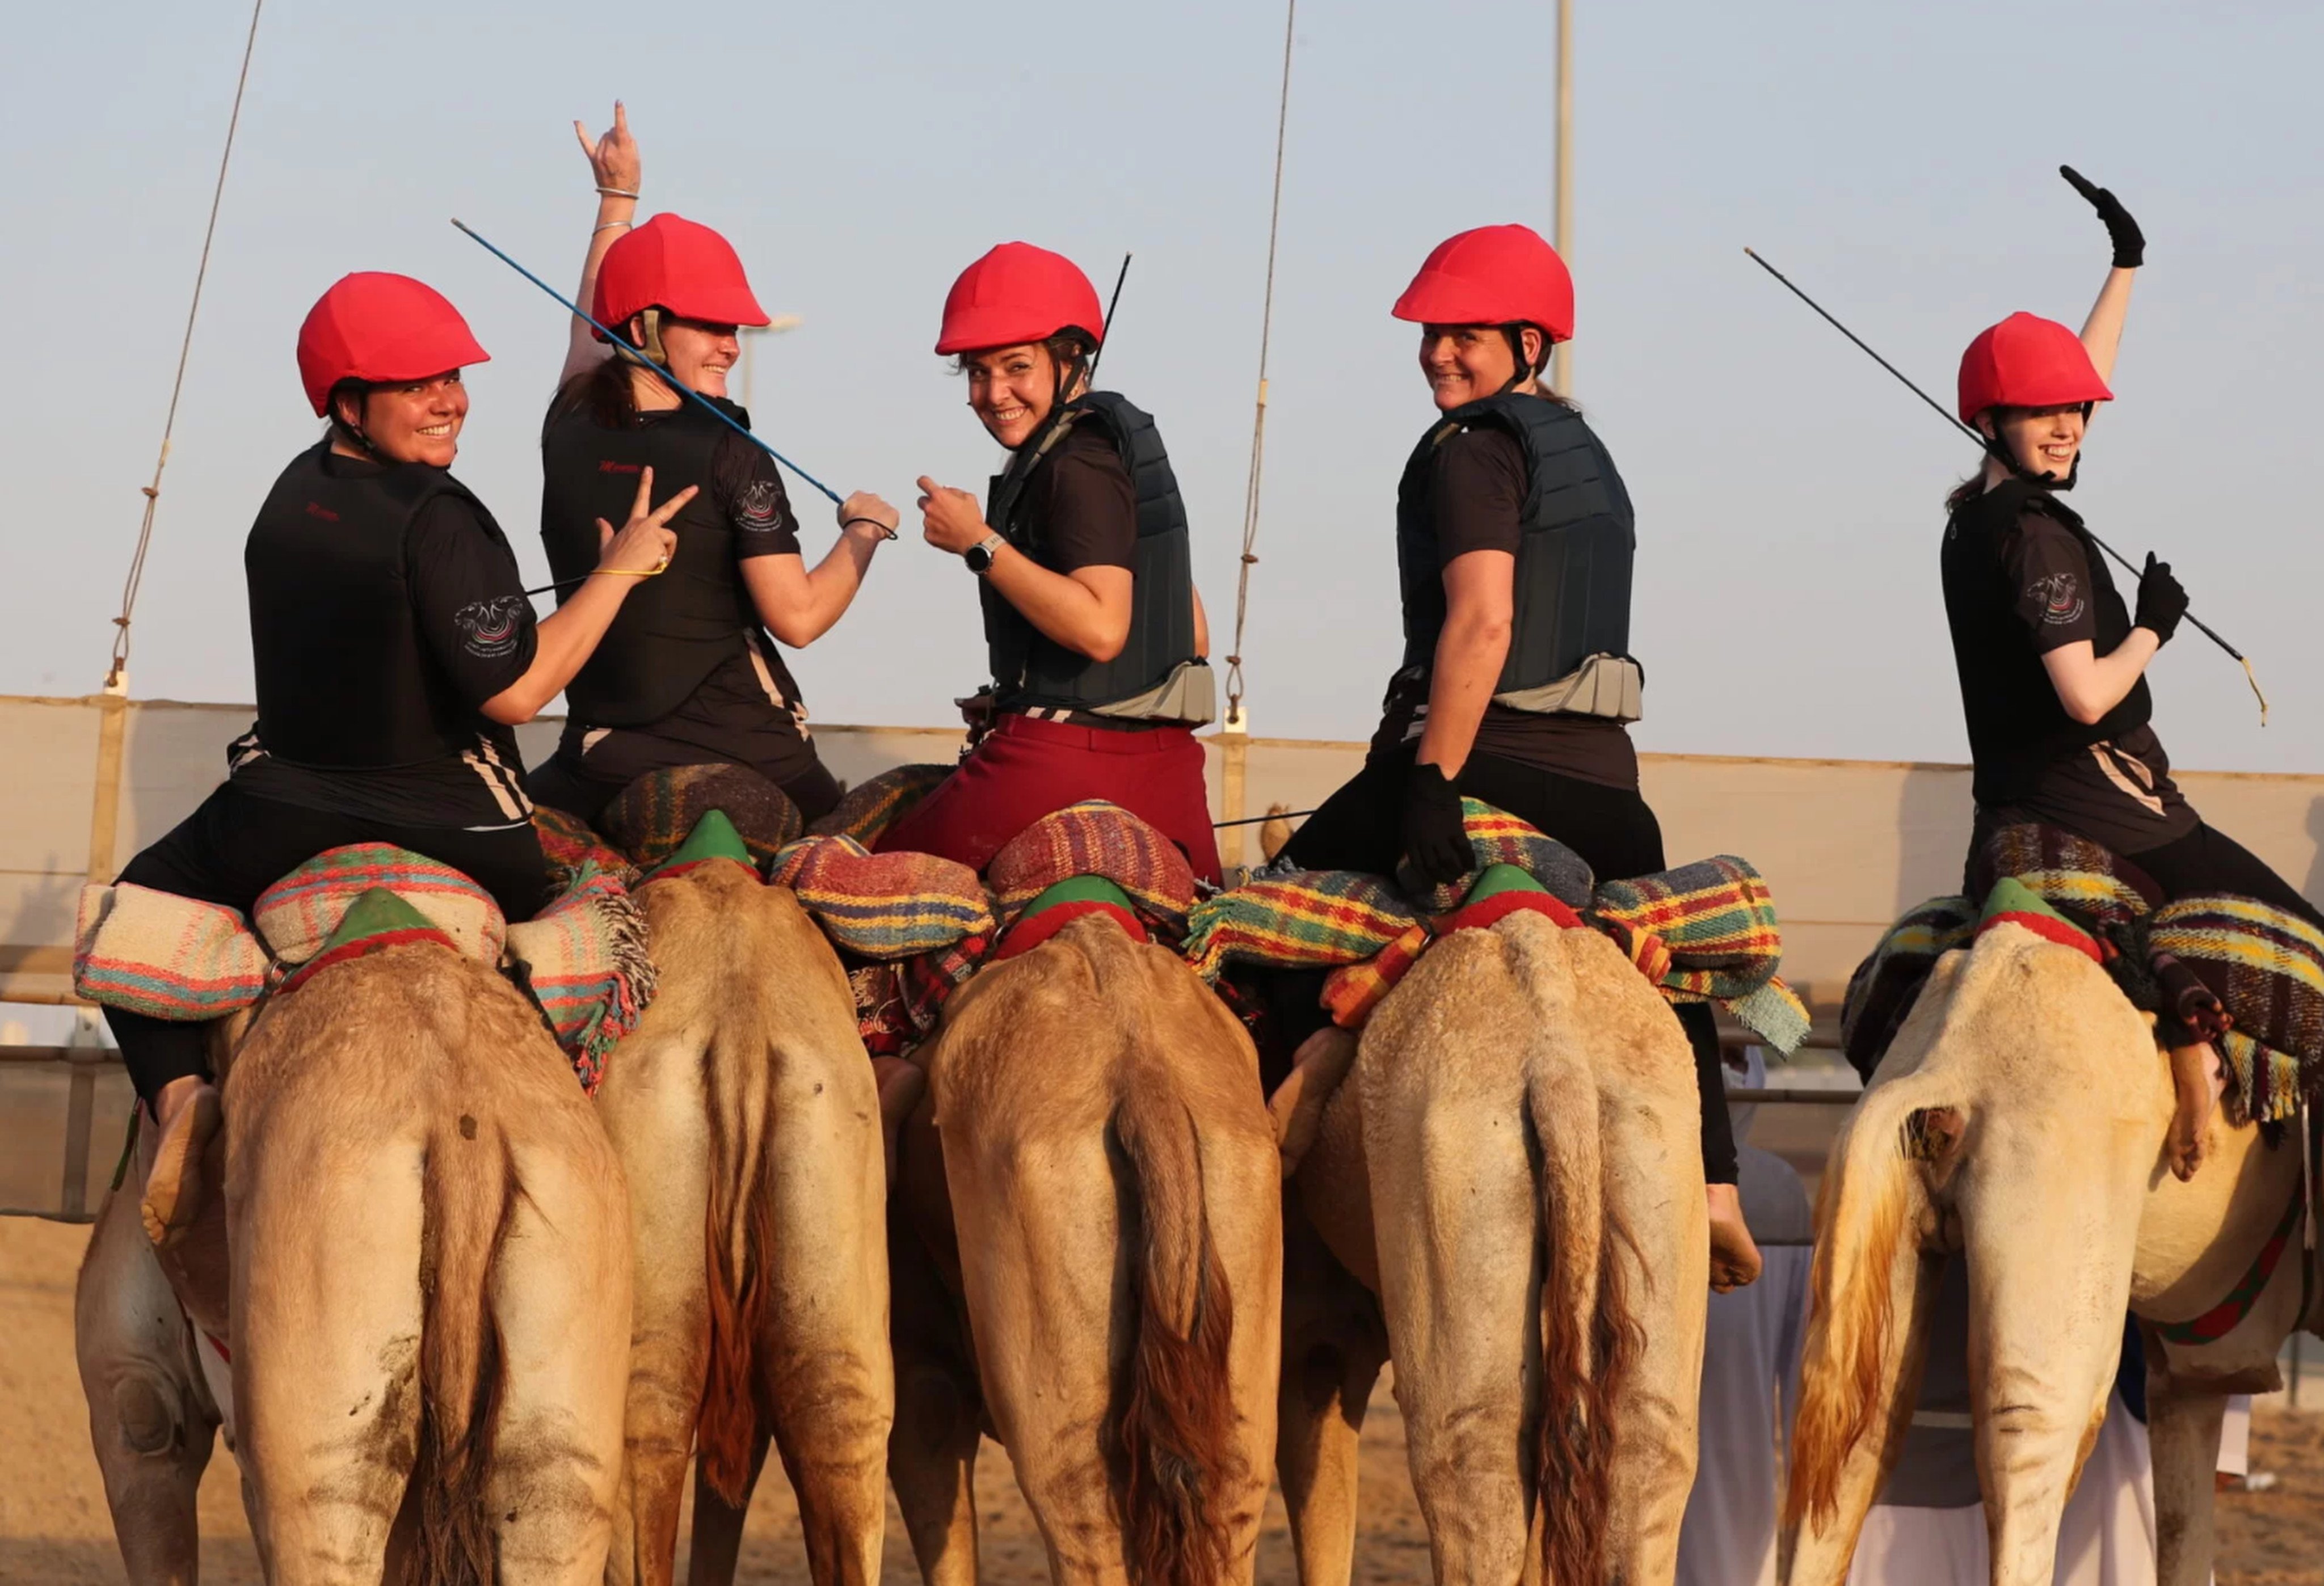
(1095, 635)
(394, 649)
(689, 672)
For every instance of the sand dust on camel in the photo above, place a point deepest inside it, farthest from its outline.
(54, 1529)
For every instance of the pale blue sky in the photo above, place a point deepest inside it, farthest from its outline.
(1897, 161)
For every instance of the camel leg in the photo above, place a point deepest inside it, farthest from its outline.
(2182, 1432)
(1454, 1204)
(561, 1305)
(147, 1417)
(655, 1114)
(2045, 1332)
(1333, 1346)
(327, 1325)
(932, 1448)
(717, 1550)
(1042, 1271)
(1652, 1191)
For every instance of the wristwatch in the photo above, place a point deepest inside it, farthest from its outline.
(978, 556)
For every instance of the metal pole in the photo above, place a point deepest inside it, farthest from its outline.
(1560, 373)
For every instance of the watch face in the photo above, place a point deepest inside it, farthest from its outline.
(978, 558)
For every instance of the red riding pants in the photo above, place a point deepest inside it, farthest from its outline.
(1027, 769)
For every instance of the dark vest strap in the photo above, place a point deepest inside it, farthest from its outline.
(1571, 583)
(1151, 677)
(344, 679)
(672, 631)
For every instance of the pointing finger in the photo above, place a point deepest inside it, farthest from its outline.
(670, 508)
(644, 502)
(587, 147)
(620, 118)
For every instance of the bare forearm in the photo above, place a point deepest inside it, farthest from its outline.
(582, 346)
(1063, 608)
(2102, 331)
(832, 586)
(1469, 658)
(563, 641)
(2089, 685)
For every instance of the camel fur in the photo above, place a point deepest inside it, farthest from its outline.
(1092, 1260)
(1514, 1169)
(2018, 1120)
(744, 1114)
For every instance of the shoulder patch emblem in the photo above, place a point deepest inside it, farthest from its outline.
(491, 628)
(759, 509)
(2061, 596)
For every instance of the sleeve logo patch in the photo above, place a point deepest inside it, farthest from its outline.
(491, 628)
(2060, 597)
(759, 510)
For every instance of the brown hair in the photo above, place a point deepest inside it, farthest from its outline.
(604, 390)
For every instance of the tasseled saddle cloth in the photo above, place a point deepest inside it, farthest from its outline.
(1702, 932)
(2227, 969)
(583, 958)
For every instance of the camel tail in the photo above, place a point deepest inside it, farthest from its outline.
(737, 1232)
(1590, 1337)
(466, 1199)
(1865, 1212)
(1180, 1462)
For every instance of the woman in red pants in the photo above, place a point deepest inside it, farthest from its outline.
(1096, 635)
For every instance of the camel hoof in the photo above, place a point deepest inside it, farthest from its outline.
(174, 1189)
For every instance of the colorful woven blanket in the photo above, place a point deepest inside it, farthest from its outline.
(297, 915)
(164, 956)
(1500, 838)
(871, 806)
(2228, 969)
(883, 906)
(1705, 932)
(1095, 838)
(571, 843)
(584, 958)
(650, 818)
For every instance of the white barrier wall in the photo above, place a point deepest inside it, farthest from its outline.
(1845, 845)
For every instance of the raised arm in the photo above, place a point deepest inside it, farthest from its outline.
(2102, 331)
(613, 164)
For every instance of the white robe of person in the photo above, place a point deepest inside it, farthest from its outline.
(1750, 1377)
(1929, 1526)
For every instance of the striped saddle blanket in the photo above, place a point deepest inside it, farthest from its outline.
(2235, 970)
(1701, 932)
(583, 958)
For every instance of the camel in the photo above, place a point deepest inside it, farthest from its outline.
(1506, 1197)
(153, 1416)
(1091, 1263)
(426, 1297)
(742, 1111)
(2019, 1119)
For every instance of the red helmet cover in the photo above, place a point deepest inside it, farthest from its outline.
(1492, 275)
(380, 327)
(678, 265)
(1017, 294)
(2027, 361)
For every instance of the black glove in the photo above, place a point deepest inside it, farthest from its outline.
(1435, 837)
(2129, 241)
(2161, 600)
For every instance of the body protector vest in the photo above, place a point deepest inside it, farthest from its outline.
(1158, 677)
(2017, 725)
(1570, 634)
(675, 628)
(346, 681)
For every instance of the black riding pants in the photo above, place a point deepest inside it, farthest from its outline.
(1360, 827)
(2203, 861)
(235, 847)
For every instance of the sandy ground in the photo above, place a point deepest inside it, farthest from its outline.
(54, 1529)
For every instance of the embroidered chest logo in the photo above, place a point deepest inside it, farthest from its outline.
(2061, 596)
(491, 628)
(759, 509)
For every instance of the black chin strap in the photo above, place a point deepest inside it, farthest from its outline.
(1520, 370)
(1999, 450)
